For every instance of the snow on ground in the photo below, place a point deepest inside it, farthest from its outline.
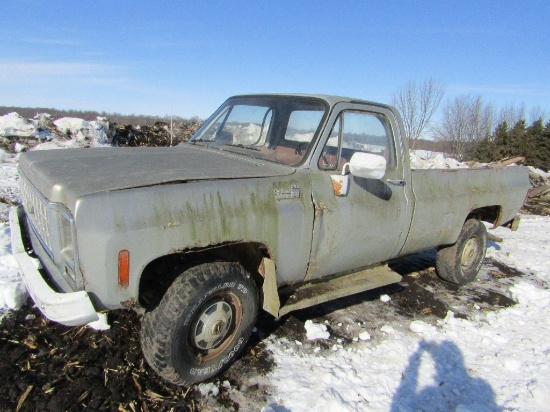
(496, 360)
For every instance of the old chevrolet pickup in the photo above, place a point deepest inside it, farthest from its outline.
(278, 202)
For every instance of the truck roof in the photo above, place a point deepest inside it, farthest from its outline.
(330, 99)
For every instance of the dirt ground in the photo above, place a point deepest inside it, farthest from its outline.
(49, 367)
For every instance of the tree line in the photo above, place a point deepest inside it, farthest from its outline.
(466, 129)
(532, 142)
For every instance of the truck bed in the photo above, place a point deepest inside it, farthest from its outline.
(452, 194)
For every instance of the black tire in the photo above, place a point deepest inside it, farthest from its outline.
(460, 262)
(201, 324)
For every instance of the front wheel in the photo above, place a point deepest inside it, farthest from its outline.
(460, 262)
(201, 324)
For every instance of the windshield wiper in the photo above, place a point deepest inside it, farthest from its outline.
(199, 141)
(243, 147)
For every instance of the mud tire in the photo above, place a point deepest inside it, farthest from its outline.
(201, 324)
(460, 263)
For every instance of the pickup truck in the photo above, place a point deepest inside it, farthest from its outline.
(277, 203)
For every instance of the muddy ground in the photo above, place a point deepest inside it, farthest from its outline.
(48, 367)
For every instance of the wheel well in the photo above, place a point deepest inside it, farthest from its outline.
(489, 214)
(159, 274)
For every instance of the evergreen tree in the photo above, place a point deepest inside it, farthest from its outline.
(517, 144)
(501, 142)
(536, 153)
(533, 142)
(483, 151)
(545, 148)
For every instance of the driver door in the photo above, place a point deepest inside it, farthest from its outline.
(368, 223)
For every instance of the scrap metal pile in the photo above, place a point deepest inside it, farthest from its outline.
(538, 198)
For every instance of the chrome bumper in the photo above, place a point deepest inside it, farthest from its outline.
(72, 308)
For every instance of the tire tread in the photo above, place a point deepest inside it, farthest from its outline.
(157, 324)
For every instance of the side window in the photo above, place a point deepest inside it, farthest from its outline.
(356, 131)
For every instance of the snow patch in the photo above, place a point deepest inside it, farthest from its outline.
(364, 335)
(385, 298)
(316, 331)
(101, 323)
(422, 328)
(421, 159)
(209, 388)
(13, 293)
(12, 124)
(73, 127)
(388, 329)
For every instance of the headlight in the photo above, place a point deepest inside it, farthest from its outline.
(67, 240)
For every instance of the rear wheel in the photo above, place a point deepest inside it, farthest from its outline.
(201, 324)
(460, 262)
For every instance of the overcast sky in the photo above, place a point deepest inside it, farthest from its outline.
(185, 58)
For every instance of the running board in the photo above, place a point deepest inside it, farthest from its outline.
(311, 294)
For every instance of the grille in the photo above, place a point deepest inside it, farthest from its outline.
(36, 207)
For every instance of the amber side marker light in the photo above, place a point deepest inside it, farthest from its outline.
(124, 268)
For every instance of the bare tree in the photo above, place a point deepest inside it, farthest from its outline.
(417, 104)
(511, 114)
(466, 120)
(537, 113)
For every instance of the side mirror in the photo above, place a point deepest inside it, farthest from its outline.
(367, 165)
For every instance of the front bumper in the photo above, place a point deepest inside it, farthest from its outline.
(71, 308)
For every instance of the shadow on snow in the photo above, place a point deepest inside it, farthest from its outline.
(453, 389)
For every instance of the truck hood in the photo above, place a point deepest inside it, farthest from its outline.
(65, 175)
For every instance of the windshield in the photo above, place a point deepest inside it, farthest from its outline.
(279, 129)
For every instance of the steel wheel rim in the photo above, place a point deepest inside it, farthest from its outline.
(214, 326)
(470, 253)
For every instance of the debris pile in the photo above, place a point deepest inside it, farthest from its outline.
(158, 135)
(538, 198)
(18, 134)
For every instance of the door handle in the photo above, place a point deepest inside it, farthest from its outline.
(397, 182)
